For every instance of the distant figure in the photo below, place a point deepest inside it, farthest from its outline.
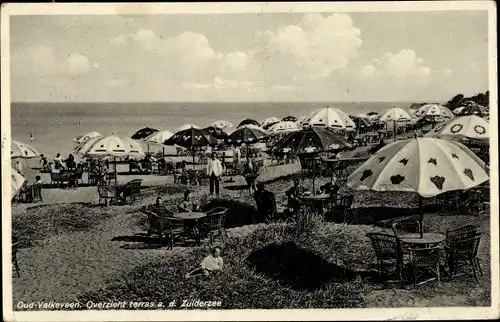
(237, 155)
(250, 172)
(58, 162)
(70, 162)
(214, 172)
(31, 137)
(187, 205)
(38, 180)
(211, 263)
(266, 202)
(80, 122)
(19, 167)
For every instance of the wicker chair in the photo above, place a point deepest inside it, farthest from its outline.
(174, 230)
(106, 193)
(425, 259)
(464, 251)
(385, 247)
(216, 221)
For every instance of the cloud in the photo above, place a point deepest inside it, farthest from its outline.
(40, 61)
(313, 49)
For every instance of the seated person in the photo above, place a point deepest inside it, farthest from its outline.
(331, 188)
(293, 195)
(187, 205)
(55, 167)
(211, 263)
(266, 202)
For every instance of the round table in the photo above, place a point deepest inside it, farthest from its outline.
(317, 202)
(320, 197)
(190, 215)
(426, 239)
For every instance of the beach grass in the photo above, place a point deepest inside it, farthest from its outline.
(262, 271)
(39, 223)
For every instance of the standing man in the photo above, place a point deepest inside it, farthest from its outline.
(214, 171)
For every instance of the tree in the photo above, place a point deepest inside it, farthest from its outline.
(455, 102)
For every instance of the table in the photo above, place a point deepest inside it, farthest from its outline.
(190, 215)
(191, 223)
(425, 240)
(317, 202)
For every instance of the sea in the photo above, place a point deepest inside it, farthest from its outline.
(54, 125)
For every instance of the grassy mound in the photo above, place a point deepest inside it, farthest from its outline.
(38, 223)
(238, 286)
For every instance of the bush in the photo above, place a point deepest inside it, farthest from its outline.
(240, 212)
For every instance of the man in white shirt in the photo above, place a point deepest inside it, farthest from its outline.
(214, 172)
(211, 263)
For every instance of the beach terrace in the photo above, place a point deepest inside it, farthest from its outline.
(321, 241)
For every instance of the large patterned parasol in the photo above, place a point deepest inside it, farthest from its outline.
(395, 114)
(247, 134)
(221, 124)
(427, 166)
(111, 146)
(143, 133)
(87, 136)
(310, 140)
(330, 117)
(289, 118)
(474, 109)
(159, 137)
(187, 126)
(283, 127)
(22, 150)
(191, 139)
(434, 110)
(270, 121)
(248, 122)
(216, 132)
(471, 127)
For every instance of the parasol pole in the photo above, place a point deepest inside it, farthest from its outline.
(193, 151)
(314, 175)
(394, 130)
(420, 206)
(116, 174)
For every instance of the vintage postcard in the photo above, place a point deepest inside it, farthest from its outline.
(250, 161)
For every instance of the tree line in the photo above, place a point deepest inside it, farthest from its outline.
(460, 100)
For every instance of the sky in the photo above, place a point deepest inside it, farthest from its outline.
(370, 56)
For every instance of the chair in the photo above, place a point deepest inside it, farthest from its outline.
(464, 232)
(344, 207)
(110, 176)
(133, 190)
(216, 222)
(56, 178)
(425, 259)
(474, 203)
(105, 193)
(15, 245)
(385, 247)
(405, 226)
(174, 230)
(464, 251)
